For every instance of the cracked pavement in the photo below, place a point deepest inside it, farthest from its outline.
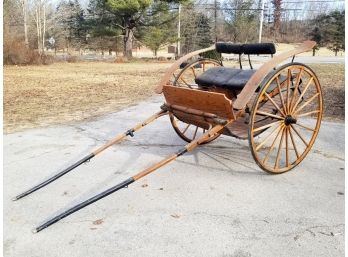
(214, 201)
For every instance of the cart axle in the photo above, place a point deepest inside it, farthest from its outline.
(289, 120)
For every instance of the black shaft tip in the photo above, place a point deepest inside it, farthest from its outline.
(53, 178)
(84, 204)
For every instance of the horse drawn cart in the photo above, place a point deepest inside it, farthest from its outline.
(277, 108)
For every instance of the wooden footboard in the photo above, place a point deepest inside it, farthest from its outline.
(204, 101)
(201, 108)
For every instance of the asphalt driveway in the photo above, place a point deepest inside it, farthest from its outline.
(214, 201)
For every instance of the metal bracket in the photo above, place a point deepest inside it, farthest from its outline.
(130, 132)
(293, 58)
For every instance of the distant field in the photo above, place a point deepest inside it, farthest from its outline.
(323, 51)
(36, 96)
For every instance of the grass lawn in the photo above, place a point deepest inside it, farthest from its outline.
(36, 96)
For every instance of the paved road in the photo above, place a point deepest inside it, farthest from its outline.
(309, 59)
(214, 201)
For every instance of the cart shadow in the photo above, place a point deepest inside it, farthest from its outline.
(235, 159)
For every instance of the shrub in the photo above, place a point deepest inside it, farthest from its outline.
(121, 59)
(71, 59)
(16, 53)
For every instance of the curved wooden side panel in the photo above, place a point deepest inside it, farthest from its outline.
(251, 86)
(164, 81)
(205, 101)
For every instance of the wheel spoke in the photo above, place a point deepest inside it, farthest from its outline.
(307, 113)
(194, 72)
(306, 103)
(288, 90)
(281, 95)
(299, 135)
(272, 145)
(286, 146)
(302, 94)
(296, 87)
(265, 126)
(274, 103)
(182, 79)
(194, 135)
(269, 115)
(279, 149)
(293, 143)
(303, 126)
(265, 140)
(188, 125)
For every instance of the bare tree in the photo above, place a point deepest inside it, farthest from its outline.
(40, 7)
(24, 4)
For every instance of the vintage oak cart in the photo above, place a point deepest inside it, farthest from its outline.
(277, 108)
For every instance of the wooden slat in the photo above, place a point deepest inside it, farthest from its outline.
(210, 102)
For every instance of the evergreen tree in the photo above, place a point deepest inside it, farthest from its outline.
(316, 36)
(331, 27)
(129, 15)
(70, 24)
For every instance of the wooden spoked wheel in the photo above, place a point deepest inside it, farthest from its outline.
(189, 132)
(186, 78)
(288, 111)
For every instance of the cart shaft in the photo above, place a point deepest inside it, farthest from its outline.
(189, 147)
(117, 139)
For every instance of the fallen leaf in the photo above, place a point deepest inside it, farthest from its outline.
(175, 216)
(98, 222)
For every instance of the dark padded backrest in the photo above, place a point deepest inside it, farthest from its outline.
(228, 48)
(259, 48)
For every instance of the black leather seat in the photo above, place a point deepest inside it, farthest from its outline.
(223, 77)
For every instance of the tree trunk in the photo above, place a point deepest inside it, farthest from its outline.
(44, 28)
(336, 52)
(37, 28)
(128, 43)
(25, 13)
(313, 51)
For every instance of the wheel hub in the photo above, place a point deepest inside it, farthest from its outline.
(289, 120)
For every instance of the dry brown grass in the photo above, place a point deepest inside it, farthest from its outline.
(331, 77)
(42, 95)
(38, 96)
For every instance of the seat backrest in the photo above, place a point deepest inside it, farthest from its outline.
(248, 49)
(228, 48)
(260, 48)
(257, 48)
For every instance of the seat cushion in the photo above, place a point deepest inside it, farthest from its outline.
(225, 77)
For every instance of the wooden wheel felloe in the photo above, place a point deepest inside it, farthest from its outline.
(189, 132)
(186, 78)
(287, 111)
